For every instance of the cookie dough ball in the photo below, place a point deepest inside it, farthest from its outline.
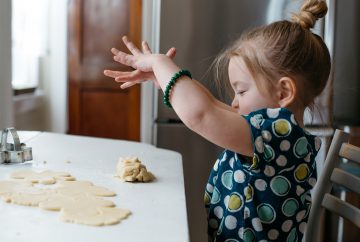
(131, 169)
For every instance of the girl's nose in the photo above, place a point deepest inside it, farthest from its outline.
(235, 103)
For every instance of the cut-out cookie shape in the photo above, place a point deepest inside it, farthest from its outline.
(73, 188)
(85, 209)
(44, 177)
(131, 169)
(96, 217)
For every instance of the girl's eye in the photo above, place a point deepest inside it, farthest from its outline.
(241, 93)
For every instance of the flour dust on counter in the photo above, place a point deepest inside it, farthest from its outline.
(77, 201)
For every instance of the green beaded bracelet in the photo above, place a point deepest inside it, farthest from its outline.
(171, 83)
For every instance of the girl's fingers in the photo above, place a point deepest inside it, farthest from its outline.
(125, 59)
(146, 48)
(128, 84)
(130, 45)
(171, 52)
(115, 74)
(115, 51)
(129, 76)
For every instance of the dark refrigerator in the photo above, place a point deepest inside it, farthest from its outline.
(200, 29)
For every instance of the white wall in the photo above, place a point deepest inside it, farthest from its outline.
(6, 105)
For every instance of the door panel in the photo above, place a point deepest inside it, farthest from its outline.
(97, 106)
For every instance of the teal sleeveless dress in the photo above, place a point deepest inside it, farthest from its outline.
(265, 197)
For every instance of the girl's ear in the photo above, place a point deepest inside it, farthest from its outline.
(286, 92)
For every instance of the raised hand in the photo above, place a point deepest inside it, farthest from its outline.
(141, 61)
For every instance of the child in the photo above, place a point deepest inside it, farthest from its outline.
(259, 188)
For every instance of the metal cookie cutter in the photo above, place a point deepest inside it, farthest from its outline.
(16, 152)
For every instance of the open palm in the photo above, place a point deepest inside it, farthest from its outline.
(139, 60)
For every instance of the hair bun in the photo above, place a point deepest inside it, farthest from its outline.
(310, 12)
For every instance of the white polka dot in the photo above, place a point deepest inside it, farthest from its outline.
(299, 190)
(257, 225)
(259, 144)
(302, 227)
(213, 223)
(254, 122)
(273, 234)
(226, 200)
(246, 212)
(273, 112)
(230, 222)
(260, 184)
(285, 145)
(281, 160)
(266, 135)
(312, 181)
(263, 240)
(241, 233)
(231, 162)
(286, 226)
(239, 176)
(224, 157)
(300, 215)
(219, 212)
(307, 157)
(216, 165)
(209, 188)
(292, 119)
(269, 171)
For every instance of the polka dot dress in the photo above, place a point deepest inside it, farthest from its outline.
(266, 197)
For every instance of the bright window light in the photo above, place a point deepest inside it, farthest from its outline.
(29, 41)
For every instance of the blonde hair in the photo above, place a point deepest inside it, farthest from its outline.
(284, 48)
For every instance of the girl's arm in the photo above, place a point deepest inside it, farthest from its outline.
(193, 103)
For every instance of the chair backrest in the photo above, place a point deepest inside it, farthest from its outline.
(335, 172)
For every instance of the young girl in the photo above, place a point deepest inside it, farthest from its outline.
(259, 188)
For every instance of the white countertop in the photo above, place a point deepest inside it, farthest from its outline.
(158, 208)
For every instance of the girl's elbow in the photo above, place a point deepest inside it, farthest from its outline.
(194, 121)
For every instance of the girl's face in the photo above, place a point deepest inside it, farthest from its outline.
(248, 97)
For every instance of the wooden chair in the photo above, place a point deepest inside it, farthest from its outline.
(335, 172)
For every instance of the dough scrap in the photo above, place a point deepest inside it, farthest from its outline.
(78, 201)
(131, 169)
(44, 177)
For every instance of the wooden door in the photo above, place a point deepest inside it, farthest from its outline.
(97, 105)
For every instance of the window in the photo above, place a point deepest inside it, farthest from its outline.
(29, 42)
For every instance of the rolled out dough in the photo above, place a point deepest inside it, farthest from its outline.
(44, 177)
(78, 201)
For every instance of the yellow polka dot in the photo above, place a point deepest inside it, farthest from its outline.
(301, 172)
(248, 191)
(282, 127)
(234, 202)
(255, 162)
(206, 199)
